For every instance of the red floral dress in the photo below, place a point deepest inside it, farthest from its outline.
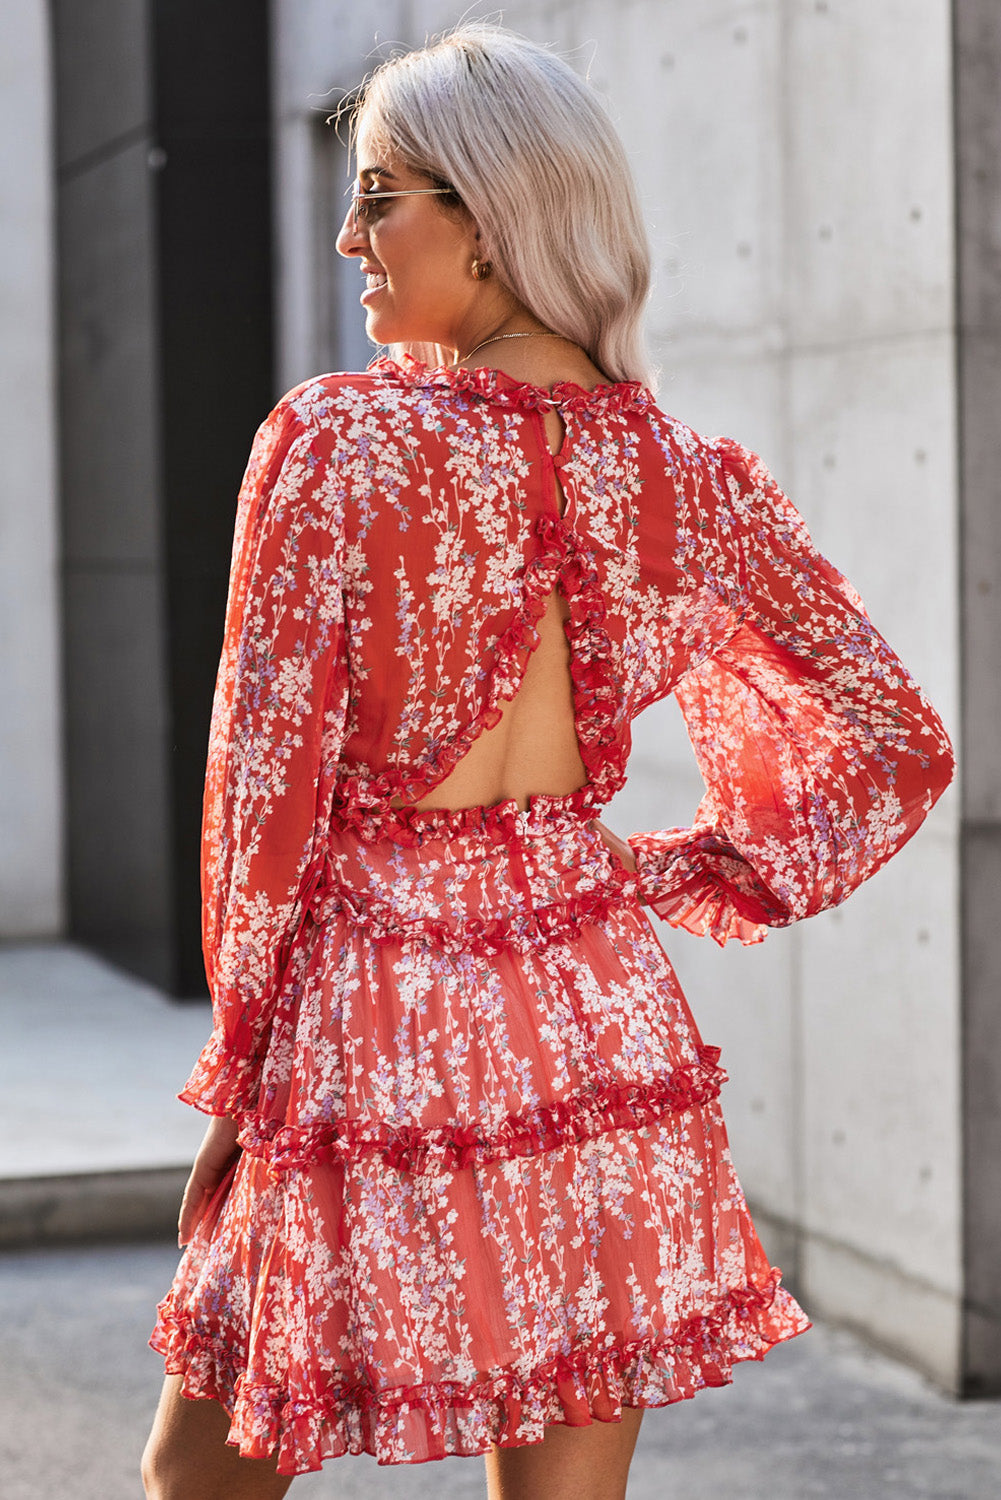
(485, 1183)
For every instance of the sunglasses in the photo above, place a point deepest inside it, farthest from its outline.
(360, 200)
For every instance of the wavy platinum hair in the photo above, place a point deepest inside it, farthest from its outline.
(532, 154)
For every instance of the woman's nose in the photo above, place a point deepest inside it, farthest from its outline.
(351, 239)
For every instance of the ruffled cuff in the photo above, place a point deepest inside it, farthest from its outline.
(696, 879)
(224, 1080)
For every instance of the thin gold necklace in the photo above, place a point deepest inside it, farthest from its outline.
(498, 336)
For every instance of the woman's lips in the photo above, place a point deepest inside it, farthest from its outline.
(374, 284)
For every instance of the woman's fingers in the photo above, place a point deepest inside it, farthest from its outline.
(216, 1155)
(191, 1207)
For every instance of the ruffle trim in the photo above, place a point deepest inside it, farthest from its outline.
(696, 879)
(609, 1106)
(363, 800)
(415, 1423)
(503, 390)
(225, 1080)
(363, 808)
(529, 928)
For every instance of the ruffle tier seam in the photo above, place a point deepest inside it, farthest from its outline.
(610, 1106)
(530, 928)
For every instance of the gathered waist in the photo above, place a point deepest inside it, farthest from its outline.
(378, 820)
(483, 876)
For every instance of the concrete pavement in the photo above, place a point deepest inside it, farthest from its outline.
(93, 1142)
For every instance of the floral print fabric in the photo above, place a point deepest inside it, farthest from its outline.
(485, 1183)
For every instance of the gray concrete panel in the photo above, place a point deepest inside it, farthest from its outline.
(116, 710)
(886, 1179)
(980, 424)
(868, 227)
(109, 388)
(977, 29)
(683, 81)
(31, 896)
(982, 1109)
(101, 75)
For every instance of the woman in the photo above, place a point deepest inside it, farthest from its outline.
(467, 1187)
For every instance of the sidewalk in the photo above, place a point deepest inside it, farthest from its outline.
(93, 1142)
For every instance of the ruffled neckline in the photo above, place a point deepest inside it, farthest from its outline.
(502, 389)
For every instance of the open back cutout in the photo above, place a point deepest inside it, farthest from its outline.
(533, 747)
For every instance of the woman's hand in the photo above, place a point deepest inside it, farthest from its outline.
(216, 1155)
(618, 846)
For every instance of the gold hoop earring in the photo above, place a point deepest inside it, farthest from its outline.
(481, 269)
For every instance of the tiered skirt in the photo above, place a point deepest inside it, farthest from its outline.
(487, 1185)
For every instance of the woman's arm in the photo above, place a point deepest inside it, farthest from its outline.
(277, 726)
(821, 755)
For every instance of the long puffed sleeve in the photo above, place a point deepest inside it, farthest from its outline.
(277, 727)
(821, 756)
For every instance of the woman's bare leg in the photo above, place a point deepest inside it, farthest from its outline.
(187, 1457)
(571, 1463)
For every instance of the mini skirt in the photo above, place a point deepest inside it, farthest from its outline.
(487, 1185)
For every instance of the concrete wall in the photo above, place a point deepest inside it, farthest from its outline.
(118, 863)
(165, 278)
(978, 155)
(796, 166)
(31, 825)
(813, 318)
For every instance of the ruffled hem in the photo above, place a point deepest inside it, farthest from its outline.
(696, 879)
(611, 1106)
(503, 390)
(224, 1080)
(416, 1423)
(363, 800)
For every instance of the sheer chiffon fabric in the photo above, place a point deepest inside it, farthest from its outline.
(485, 1182)
(489, 1187)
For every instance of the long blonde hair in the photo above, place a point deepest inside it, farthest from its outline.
(532, 154)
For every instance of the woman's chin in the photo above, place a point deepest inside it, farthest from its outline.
(375, 329)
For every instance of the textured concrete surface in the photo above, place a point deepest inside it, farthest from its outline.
(91, 1062)
(31, 834)
(819, 1417)
(806, 307)
(978, 168)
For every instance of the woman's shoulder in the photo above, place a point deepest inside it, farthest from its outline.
(338, 400)
(313, 400)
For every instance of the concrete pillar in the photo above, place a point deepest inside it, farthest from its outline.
(118, 872)
(978, 202)
(31, 794)
(163, 163)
